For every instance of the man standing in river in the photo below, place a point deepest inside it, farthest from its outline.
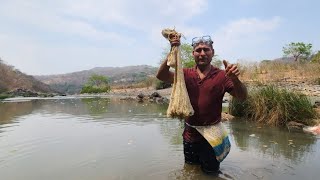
(206, 86)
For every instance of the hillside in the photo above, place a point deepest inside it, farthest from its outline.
(72, 82)
(11, 79)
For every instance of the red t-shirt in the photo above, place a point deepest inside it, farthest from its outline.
(206, 99)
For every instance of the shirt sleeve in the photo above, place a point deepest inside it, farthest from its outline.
(228, 84)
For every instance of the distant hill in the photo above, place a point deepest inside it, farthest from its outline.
(72, 82)
(11, 79)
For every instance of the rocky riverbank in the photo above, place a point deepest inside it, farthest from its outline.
(163, 96)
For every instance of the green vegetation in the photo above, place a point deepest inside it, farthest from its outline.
(316, 58)
(96, 84)
(274, 106)
(187, 57)
(299, 51)
(161, 85)
(4, 96)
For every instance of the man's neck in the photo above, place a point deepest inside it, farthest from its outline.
(205, 69)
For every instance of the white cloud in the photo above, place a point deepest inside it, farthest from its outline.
(106, 25)
(51, 18)
(36, 58)
(238, 38)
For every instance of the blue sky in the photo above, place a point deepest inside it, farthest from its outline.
(41, 37)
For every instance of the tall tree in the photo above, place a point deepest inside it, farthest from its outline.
(96, 84)
(187, 58)
(297, 50)
(97, 80)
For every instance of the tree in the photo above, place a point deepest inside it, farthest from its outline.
(297, 50)
(187, 58)
(96, 84)
(186, 55)
(98, 80)
(216, 61)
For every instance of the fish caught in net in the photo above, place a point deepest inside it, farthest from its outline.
(179, 106)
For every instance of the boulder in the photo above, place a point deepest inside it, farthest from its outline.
(155, 94)
(295, 126)
(140, 96)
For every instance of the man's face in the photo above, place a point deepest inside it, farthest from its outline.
(203, 54)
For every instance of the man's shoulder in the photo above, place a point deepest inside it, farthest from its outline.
(215, 70)
(189, 70)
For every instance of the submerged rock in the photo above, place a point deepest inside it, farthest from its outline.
(295, 126)
(155, 94)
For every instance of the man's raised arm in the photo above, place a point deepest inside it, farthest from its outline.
(164, 74)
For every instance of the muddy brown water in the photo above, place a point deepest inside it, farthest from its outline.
(107, 138)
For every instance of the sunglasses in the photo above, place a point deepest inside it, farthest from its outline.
(204, 39)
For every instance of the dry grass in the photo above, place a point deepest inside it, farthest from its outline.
(275, 71)
(274, 106)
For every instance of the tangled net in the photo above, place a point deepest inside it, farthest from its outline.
(179, 106)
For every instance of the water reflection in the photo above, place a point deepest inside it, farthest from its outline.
(275, 142)
(173, 133)
(191, 172)
(95, 107)
(8, 111)
(108, 138)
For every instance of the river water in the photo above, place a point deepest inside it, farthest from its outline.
(108, 138)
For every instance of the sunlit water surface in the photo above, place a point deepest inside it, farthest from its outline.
(108, 138)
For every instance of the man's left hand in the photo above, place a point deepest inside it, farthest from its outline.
(232, 70)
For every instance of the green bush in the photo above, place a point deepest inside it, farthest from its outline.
(316, 58)
(162, 85)
(274, 106)
(96, 84)
(94, 89)
(4, 96)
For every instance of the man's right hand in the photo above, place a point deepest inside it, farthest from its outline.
(175, 43)
(174, 40)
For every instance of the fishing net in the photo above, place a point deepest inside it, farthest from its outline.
(179, 106)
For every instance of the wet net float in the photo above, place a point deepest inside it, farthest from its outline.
(179, 106)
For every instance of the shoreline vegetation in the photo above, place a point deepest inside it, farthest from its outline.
(278, 93)
(276, 107)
